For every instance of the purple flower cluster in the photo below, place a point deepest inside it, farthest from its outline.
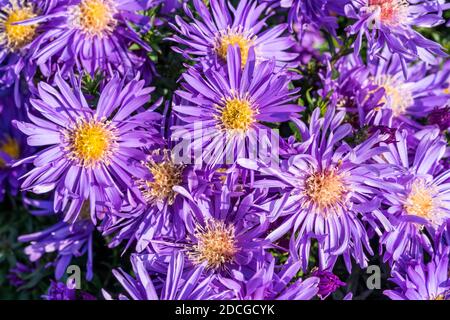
(256, 178)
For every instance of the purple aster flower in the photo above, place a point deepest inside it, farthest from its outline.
(178, 284)
(94, 35)
(328, 282)
(417, 195)
(15, 39)
(271, 282)
(163, 209)
(215, 30)
(397, 101)
(226, 244)
(421, 281)
(227, 234)
(391, 23)
(91, 154)
(62, 291)
(222, 110)
(13, 146)
(327, 191)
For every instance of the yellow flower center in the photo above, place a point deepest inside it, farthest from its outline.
(422, 202)
(94, 17)
(166, 175)
(396, 96)
(237, 114)
(325, 189)
(235, 36)
(18, 36)
(91, 142)
(216, 245)
(11, 148)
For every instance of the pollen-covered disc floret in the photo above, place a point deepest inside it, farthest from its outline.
(94, 17)
(423, 201)
(390, 12)
(396, 96)
(234, 36)
(165, 175)
(325, 190)
(236, 114)
(11, 147)
(91, 142)
(216, 245)
(16, 36)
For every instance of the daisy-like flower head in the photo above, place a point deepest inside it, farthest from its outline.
(222, 110)
(166, 193)
(396, 101)
(222, 26)
(16, 38)
(227, 234)
(417, 280)
(391, 23)
(94, 35)
(418, 198)
(90, 153)
(327, 191)
(179, 283)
